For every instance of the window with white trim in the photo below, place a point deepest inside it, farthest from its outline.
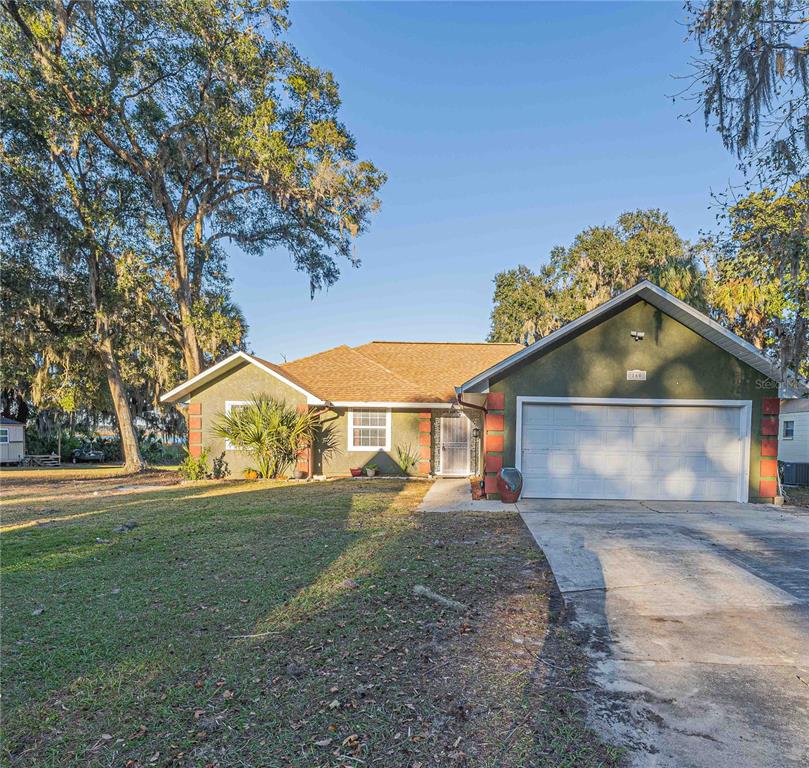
(229, 406)
(3, 436)
(368, 429)
(789, 430)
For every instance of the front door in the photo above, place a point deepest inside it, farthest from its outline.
(455, 445)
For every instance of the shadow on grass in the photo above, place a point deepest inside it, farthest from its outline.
(344, 664)
(194, 565)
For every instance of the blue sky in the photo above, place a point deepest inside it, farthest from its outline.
(505, 129)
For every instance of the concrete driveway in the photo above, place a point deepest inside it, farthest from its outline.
(696, 617)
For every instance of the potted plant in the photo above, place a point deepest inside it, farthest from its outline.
(477, 487)
(371, 470)
(250, 474)
(356, 471)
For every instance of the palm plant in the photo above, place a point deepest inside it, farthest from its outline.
(271, 431)
(406, 457)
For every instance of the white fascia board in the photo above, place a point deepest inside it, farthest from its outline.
(736, 344)
(189, 384)
(376, 404)
(223, 366)
(559, 333)
(475, 399)
(656, 296)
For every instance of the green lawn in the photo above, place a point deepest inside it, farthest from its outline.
(272, 624)
(62, 472)
(797, 495)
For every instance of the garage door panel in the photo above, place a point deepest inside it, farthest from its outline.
(566, 438)
(644, 438)
(673, 438)
(631, 452)
(683, 417)
(645, 417)
(619, 417)
(568, 418)
(562, 464)
(726, 419)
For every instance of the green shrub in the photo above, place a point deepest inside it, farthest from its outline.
(219, 469)
(151, 449)
(194, 467)
(406, 458)
(156, 452)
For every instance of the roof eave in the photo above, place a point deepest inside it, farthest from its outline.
(223, 366)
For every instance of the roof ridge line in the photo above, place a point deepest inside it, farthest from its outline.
(314, 354)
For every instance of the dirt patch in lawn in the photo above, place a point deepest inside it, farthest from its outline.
(276, 625)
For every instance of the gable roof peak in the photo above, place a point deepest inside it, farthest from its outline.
(647, 291)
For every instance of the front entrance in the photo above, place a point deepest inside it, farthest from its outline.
(455, 431)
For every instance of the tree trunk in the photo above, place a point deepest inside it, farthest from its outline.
(133, 461)
(192, 355)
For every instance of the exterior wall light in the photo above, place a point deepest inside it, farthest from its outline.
(637, 335)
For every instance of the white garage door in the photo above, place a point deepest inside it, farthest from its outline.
(655, 452)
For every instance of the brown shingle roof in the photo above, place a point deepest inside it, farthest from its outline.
(392, 371)
(437, 366)
(287, 374)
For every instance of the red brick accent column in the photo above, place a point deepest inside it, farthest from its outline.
(424, 464)
(493, 427)
(768, 464)
(195, 429)
(302, 462)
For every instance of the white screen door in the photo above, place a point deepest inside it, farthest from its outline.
(455, 445)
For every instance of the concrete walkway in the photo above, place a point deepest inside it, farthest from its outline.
(452, 494)
(696, 617)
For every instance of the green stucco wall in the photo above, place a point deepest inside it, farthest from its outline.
(239, 384)
(679, 363)
(404, 431)
(248, 380)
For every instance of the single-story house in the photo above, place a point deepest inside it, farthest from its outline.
(643, 397)
(793, 444)
(12, 441)
(380, 397)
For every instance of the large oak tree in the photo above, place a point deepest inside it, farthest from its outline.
(601, 262)
(230, 134)
(759, 276)
(750, 79)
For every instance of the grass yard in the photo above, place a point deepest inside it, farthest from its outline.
(71, 472)
(271, 624)
(797, 495)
